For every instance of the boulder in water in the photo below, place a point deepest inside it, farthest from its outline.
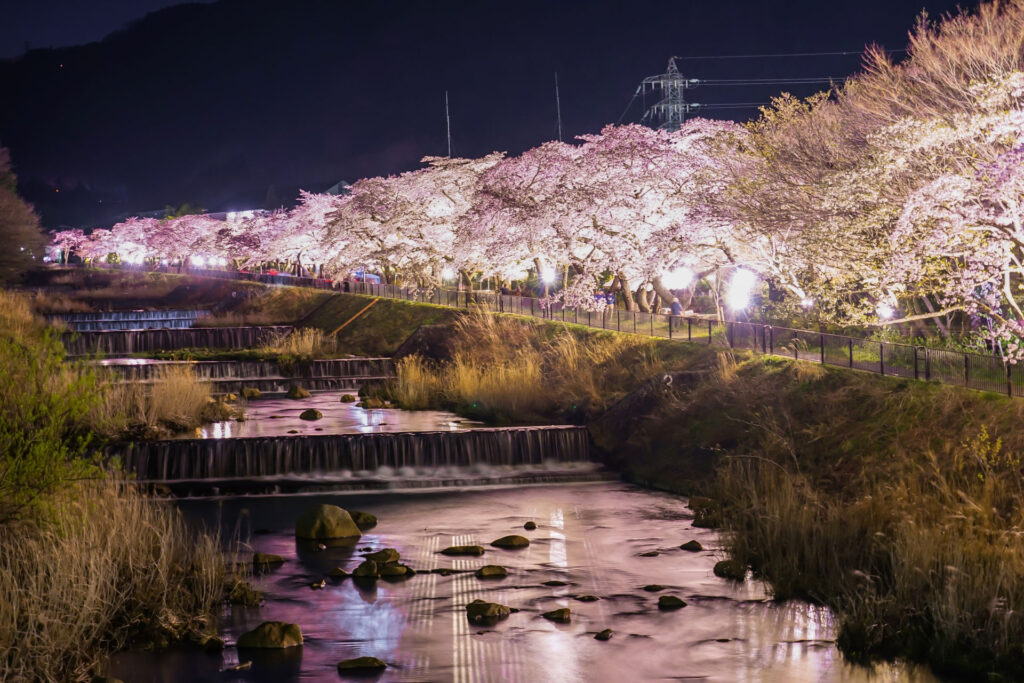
(326, 521)
(587, 598)
(530, 526)
(319, 583)
(348, 398)
(555, 582)
(604, 635)
(562, 616)
(371, 403)
(310, 414)
(731, 569)
(338, 573)
(654, 587)
(384, 556)
(297, 392)
(650, 553)
(266, 559)
(482, 612)
(367, 571)
(491, 571)
(509, 542)
(473, 550)
(251, 392)
(394, 571)
(692, 546)
(361, 665)
(363, 520)
(272, 635)
(670, 602)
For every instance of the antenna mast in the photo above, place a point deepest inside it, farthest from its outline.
(558, 108)
(448, 124)
(671, 110)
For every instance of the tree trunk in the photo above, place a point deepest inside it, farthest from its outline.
(641, 299)
(627, 293)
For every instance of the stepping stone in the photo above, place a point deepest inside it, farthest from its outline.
(473, 550)
(692, 546)
(509, 542)
(361, 664)
(562, 616)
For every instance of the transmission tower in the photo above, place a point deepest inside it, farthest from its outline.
(670, 111)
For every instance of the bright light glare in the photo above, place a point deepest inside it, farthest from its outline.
(807, 302)
(547, 274)
(680, 278)
(198, 261)
(221, 261)
(447, 273)
(740, 285)
(885, 311)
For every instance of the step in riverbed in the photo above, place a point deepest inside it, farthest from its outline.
(248, 457)
(141, 369)
(129, 320)
(146, 341)
(280, 385)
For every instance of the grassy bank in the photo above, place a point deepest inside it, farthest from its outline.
(87, 565)
(897, 503)
(504, 369)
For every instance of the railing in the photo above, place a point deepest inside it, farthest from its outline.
(972, 370)
(975, 371)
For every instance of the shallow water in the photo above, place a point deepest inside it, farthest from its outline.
(280, 417)
(590, 536)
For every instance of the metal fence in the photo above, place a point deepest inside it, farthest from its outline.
(975, 371)
(972, 370)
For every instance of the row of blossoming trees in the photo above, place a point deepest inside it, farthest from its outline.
(900, 192)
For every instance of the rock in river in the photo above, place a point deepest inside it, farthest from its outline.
(604, 635)
(474, 550)
(483, 612)
(297, 392)
(363, 520)
(368, 570)
(530, 526)
(562, 616)
(491, 571)
(361, 664)
(310, 414)
(513, 541)
(326, 521)
(266, 559)
(692, 546)
(731, 569)
(384, 556)
(670, 602)
(272, 635)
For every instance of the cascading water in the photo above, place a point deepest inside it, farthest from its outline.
(135, 341)
(130, 320)
(138, 370)
(246, 458)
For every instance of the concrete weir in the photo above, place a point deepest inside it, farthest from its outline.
(262, 457)
(121, 342)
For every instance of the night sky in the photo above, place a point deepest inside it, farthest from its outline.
(239, 103)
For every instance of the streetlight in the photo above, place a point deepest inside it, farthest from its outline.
(738, 296)
(679, 278)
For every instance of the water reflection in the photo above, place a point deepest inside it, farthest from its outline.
(280, 417)
(589, 536)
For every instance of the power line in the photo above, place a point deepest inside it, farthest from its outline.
(785, 54)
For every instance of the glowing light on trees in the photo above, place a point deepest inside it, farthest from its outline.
(447, 273)
(885, 311)
(679, 278)
(547, 274)
(740, 287)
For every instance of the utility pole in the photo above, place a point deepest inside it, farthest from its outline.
(558, 108)
(448, 124)
(669, 113)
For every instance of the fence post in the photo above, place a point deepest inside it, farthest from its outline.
(881, 357)
(927, 365)
(1009, 379)
(709, 331)
(821, 340)
(689, 329)
(771, 340)
(967, 370)
(915, 363)
(670, 323)
(652, 323)
(764, 338)
(850, 342)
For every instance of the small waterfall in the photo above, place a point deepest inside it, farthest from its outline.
(217, 370)
(245, 458)
(135, 341)
(130, 320)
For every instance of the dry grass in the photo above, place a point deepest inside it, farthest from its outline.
(303, 342)
(110, 568)
(176, 400)
(504, 369)
(17, 319)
